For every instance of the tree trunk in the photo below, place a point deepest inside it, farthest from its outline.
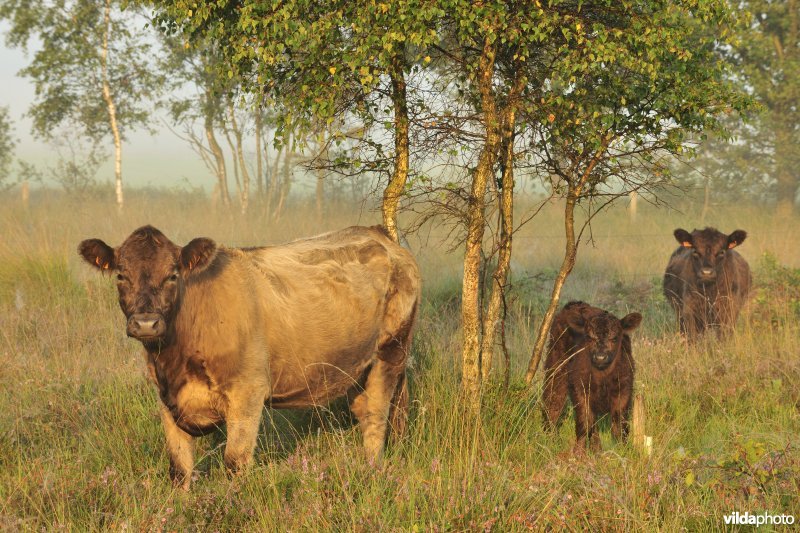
(786, 173)
(397, 183)
(237, 134)
(575, 188)
(272, 187)
(476, 221)
(787, 50)
(706, 200)
(570, 252)
(219, 160)
(259, 162)
(320, 190)
(227, 132)
(286, 183)
(491, 319)
(633, 207)
(112, 108)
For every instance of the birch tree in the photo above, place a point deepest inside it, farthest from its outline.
(91, 69)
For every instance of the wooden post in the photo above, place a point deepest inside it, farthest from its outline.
(26, 195)
(634, 205)
(640, 439)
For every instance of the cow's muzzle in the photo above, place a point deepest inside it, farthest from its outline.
(707, 274)
(601, 360)
(146, 326)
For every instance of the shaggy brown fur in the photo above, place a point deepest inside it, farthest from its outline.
(590, 359)
(707, 281)
(227, 330)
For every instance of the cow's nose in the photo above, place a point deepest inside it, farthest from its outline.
(146, 325)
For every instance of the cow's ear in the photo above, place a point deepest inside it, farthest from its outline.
(631, 322)
(197, 255)
(576, 323)
(736, 238)
(98, 254)
(683, 237)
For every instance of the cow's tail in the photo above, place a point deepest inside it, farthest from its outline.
(398, 410)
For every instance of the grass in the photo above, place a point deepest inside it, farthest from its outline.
(81, 446)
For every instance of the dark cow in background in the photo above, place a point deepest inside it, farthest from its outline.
(590, 359)
(707, 281)
(226, 330)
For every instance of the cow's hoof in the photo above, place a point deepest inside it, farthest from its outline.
(236, 465)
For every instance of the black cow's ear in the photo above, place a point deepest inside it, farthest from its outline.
(576, 323)
(631, 322)
(683, 237)
(98, 254)
(736, 238)
(197, 255)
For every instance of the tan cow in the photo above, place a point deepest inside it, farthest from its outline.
(226, 330)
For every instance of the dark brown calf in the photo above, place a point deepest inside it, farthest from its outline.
(707, 281)
(590, 358)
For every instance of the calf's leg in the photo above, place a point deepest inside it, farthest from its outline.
(620, 415)
(554, 396)
(584, 420)
(180, 448)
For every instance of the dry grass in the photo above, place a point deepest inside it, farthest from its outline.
(81, 445)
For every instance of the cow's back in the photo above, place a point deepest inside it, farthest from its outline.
(324, 301)
(738, 271)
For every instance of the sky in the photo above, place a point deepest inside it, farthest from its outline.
(156, 160)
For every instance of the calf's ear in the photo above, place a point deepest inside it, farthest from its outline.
(576, 323)
(98, 254)
(631, 322)
(736, 238)
(197, 255)
(683, 237)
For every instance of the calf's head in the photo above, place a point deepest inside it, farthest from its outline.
(709, 249)
(602, 334)
(151, 271)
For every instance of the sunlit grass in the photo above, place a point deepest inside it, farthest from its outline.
(81, 445)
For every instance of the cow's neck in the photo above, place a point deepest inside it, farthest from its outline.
(167, 362)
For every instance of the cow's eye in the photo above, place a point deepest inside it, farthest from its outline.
(696, 254)
(173, 277)
(120, 277)
(721, 253)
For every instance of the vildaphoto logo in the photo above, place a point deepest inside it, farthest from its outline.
(748, 519)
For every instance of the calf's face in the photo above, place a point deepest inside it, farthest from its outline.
(602, 335)
(709, 249)
(151, 272)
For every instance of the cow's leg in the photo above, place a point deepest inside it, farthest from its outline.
(243, 417)
(726, 311)
(584, 419)
(554, 396)
(620, 415)
(371, 407)
(693, 321)
(180, 448)
(385, 396)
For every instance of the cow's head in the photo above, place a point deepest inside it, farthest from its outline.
(602, 334)
(151, 271)
(709, 249)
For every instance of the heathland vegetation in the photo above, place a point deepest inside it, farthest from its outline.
(81, 445)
